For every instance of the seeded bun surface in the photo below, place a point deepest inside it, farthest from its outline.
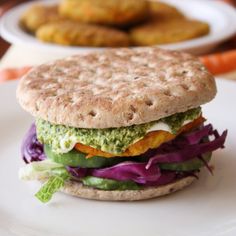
(116, 87)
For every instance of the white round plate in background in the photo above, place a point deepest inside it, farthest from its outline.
(206, 208)
(220, 16)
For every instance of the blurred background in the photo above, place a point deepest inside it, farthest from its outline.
(203, 30)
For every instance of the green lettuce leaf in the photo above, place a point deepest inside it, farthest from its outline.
(54, 184)
(40, 170)
(55, 174)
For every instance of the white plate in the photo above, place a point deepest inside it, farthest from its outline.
(219, 15)
(206, 208)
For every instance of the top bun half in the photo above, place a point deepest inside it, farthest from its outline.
(116, 87)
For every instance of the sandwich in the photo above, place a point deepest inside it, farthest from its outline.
(118, 125)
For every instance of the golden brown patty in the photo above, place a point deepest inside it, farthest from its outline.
(37, 15)
(169, 31)
(112, 12)
(80, 34)
(162, 11)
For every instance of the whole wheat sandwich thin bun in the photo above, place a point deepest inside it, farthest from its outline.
(78, 190)
(116, 88)
(87, 106)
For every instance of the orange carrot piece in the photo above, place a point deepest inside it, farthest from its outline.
(220, 63)
(13, 73)
(229, 1)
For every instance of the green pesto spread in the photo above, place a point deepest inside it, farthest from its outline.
(62, 138)
(176, 121)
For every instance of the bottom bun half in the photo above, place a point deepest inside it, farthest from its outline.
(79, 190)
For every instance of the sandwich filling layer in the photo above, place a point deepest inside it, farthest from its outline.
(162, 157)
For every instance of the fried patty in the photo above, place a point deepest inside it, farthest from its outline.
(38, 15)
(112, 12)
(169, 31)
(80, 34)
(162, 11)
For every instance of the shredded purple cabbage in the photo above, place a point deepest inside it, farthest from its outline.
(31, 148)
(132, 171)
(196, 136)
(188, 151)
(129, 170)
(170, 176)
(77, 172)
(205, 163)
(166, 177)
(161, 178)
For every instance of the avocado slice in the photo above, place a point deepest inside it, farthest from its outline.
(75, 158)
(109, 184)
(194, 164)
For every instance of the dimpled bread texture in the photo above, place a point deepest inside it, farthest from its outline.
(116, 87)
(77, 189)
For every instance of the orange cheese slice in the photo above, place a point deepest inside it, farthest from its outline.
(151, 140)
